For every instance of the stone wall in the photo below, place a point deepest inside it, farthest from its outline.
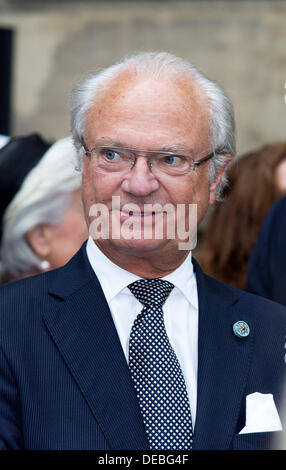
(241, 44)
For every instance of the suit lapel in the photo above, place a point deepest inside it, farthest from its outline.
(223, 364)
(84, 332)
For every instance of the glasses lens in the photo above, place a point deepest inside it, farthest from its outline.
(171, 164)
(112, 159)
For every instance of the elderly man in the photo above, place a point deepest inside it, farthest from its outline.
(130, 345)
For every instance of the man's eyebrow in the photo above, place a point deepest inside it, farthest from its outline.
(174, 148)
(177, 148)
(108, 141)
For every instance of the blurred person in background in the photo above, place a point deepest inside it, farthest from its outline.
(256, 180)
(17, 158)
(42, 221)
(267, 265)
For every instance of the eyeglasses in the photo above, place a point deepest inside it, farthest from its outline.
(120, 159)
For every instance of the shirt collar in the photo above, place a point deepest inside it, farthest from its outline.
(184, 279)
(111, 277)
(114, 279)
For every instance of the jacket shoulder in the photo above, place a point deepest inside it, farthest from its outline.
(20, 297)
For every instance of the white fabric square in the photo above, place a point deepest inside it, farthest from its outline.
(261, 414)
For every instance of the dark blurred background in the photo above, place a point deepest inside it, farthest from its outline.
(6, 79)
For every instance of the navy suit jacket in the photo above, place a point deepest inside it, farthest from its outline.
(65, 382)
(267, 265)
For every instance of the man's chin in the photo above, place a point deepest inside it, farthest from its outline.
(134, 246)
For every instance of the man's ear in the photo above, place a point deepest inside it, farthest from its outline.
(215, 183)
(40, 239)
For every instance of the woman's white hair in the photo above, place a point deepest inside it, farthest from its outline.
(43, 197)
(161, 64)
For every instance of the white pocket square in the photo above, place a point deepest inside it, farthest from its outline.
(261, 414)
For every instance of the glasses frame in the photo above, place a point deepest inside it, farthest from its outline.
(152, 152)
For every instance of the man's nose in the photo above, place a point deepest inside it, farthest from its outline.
(140, 180)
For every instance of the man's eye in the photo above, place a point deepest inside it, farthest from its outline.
(111, 155)
(173, 160)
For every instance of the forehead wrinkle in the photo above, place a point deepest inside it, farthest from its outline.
(122, 86)
(117, 97)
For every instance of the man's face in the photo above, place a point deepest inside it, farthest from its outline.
(142, 113)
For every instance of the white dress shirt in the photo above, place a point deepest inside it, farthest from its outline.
(180, 311)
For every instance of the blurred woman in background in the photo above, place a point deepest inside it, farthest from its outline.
(43, 225)
(256, 180)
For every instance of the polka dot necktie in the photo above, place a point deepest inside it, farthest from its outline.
(156, 372)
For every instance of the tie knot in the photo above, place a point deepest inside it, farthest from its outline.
(151, 291)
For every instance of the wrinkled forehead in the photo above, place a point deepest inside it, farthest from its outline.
(176, 98)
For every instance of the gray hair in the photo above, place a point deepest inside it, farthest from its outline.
(162, 64)
(43, 197)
